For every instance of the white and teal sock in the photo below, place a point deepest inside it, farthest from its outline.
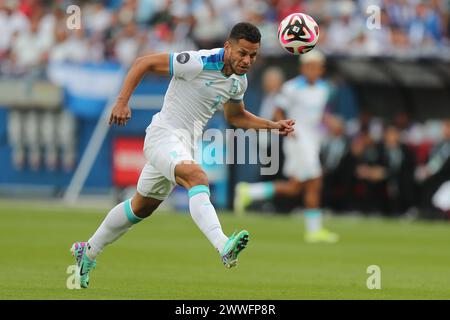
(205, 216)
(313, 220)
(261, 191)
(118, 221)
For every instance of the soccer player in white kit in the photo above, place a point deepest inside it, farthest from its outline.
(303, 99)
(201, 82)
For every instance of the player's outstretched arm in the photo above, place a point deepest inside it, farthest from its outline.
(236, 115)
(154, 63)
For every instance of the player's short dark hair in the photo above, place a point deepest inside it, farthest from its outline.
(246, 31)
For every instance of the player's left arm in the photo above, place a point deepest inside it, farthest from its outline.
(236, 115)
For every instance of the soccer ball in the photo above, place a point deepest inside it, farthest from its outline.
(298, 33)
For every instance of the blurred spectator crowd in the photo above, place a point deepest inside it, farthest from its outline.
(392, 167)
(35, 32)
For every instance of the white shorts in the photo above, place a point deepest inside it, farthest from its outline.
(163, 150)
(302, 159)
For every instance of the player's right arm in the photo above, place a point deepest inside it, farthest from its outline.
(153, 63)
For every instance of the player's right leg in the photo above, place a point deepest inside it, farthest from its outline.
(117, 222)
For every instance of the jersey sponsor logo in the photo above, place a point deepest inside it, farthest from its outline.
(183, 57)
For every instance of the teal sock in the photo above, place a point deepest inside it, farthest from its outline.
(118, 221)
(205, 217)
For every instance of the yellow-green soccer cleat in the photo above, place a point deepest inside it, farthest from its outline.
(84, 264)
(241, 198)
(321, 236)
(235, 244)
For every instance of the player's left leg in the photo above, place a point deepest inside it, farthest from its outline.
(314, 231)
(191, 176)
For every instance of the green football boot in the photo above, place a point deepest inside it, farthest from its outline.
(84, 264)
(235, 244)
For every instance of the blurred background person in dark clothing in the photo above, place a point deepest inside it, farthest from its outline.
(333, 153)
(397, 163)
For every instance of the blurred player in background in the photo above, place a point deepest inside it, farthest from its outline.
(435, 173)
(304, 99)
(272, 81)
(202, 81)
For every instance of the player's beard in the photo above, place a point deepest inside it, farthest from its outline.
(234, 70)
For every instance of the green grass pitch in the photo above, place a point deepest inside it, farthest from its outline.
(166, 257)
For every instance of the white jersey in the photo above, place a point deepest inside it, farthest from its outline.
(304, 103)
(198, 88)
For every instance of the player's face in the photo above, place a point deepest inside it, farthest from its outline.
(312, 70)
(240, 55)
